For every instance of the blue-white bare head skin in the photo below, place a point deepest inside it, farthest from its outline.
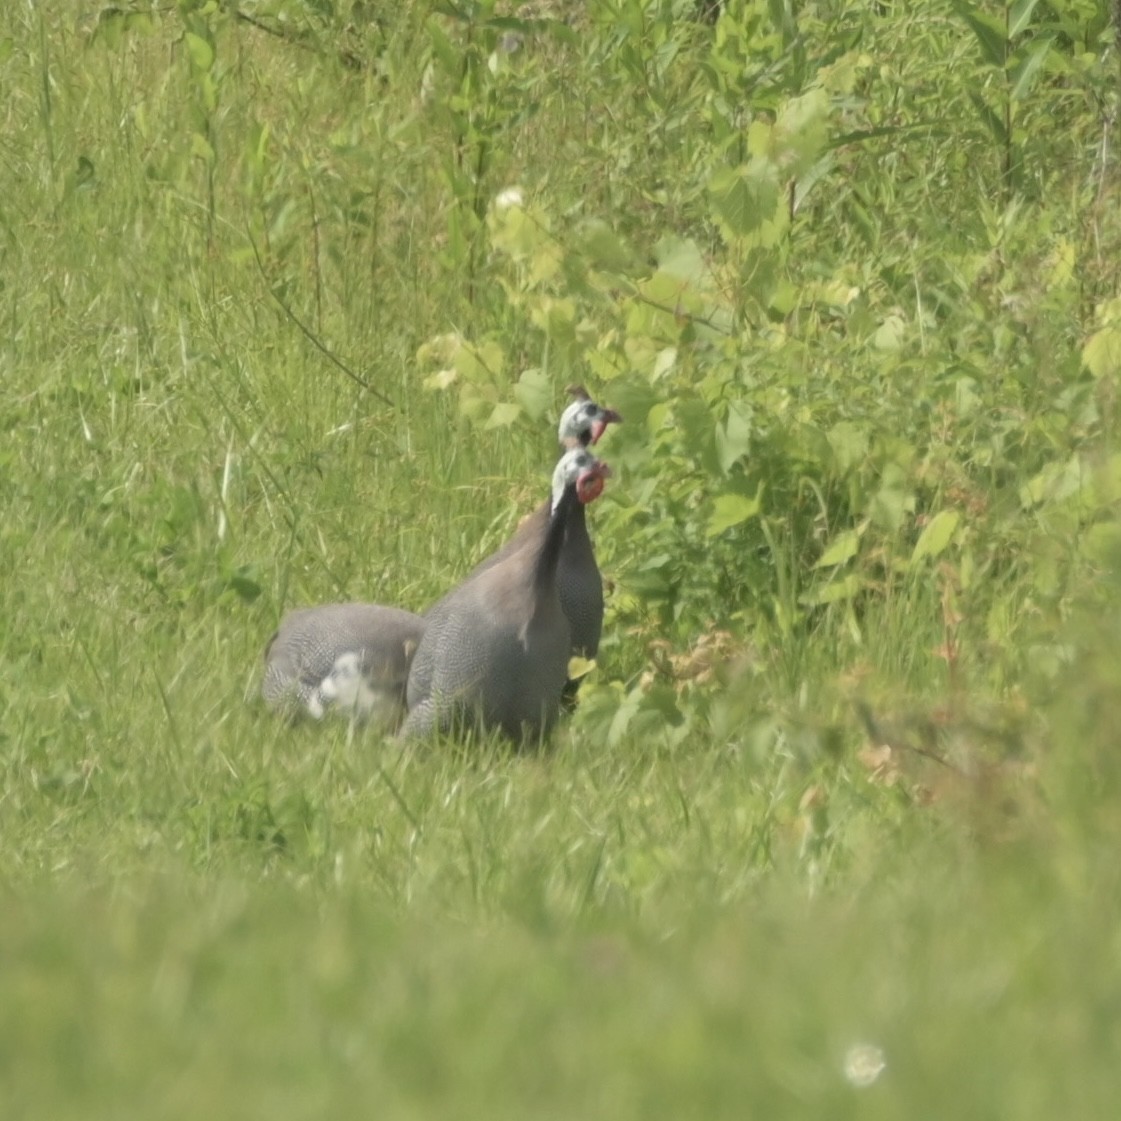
(578, 466)
(584, 422)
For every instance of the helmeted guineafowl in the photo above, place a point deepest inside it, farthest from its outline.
(496, 655)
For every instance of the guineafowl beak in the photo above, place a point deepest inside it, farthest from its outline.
(589, 486)
(599, 425)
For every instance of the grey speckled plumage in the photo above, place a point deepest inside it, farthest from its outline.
(353, 657)
(496, 653)
(579, 583)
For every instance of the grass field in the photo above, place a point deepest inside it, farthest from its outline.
(834, 831)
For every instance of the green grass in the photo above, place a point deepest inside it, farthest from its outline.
(718, 882)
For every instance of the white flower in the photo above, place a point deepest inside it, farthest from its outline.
(864, 1063)
(509, 198)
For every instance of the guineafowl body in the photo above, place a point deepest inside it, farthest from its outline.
(496, 653)
(352, 657)
(578, 580)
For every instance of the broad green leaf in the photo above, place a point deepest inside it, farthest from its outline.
(580, 667)
(1023, 76)
(730, 510)
(936, 535)
(556, 317)
(201, 51)
(504, 414)
(1101, 543)
(731, 201)
(1055, 482)
(1062, 261)
(201, 147)
(481, 362)
(966, 398)
(440, 380)
(664, 363)
(890, 334)
(602, 247)
(800, 131)
(682, 258)
(890, 504)
(449, 57)
(850, 445)
(843, 547)
(697, 426)
(110, 26)
(833, 592)
(1020, 16)
(1101, 354)
(733, 438)
(842, 75)
(635, 399)
(994, 124)
(534, 392)
(986, 29)
(85, 173)
(745, 199)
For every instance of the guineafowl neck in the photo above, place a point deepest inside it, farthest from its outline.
(576, 527)
(546, 568)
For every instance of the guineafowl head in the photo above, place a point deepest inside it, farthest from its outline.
(584, 422)
(579, 468)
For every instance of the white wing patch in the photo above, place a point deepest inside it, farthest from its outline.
(350, 690)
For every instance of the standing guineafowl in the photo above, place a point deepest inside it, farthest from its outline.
(496, 656)
(353, 657)
(579, 583)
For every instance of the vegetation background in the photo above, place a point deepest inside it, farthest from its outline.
(290, 291)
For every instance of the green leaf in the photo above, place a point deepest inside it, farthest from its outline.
(504, 414)
(534, 392)
(937, 534)
(1023, 76)
(833, 592)
(698, 427)
(201, 51)
(987, 30)
(850, 445)
(992, 122)
(1101, 543)
(733, 438)
(1101, 354)
(843, 547)
(731, 201)
(890, 334)
(745, 198)
(1020, 17)
(244, 583)
(481, 362)
(441, 379)
(730, 510)
(1056, 482)
(889, 506)
(84, 174)
(603, 248)
(682, 258)
(201, 147)
(800, 131)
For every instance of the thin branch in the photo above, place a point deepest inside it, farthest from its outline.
(679, 312)
(311, 336)
(294, 38)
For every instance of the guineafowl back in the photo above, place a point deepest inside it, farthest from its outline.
(318, 650)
